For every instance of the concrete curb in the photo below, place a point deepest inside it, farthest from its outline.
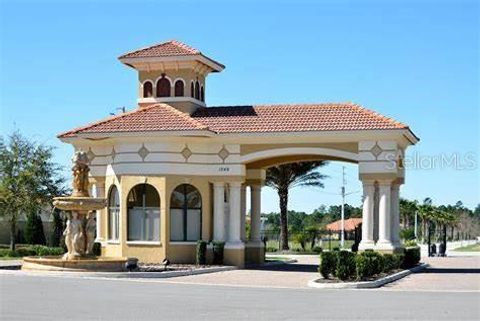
(123, 275)
(367, 284)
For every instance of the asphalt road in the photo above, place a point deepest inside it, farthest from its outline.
(53, 298)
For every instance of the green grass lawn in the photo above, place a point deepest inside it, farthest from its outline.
(469, 248)
(297, 249)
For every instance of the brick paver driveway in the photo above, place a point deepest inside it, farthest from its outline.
(454, 273)
(294, 275)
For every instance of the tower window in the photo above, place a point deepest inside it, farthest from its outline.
(192, 90)
(202, 94)
(147, 89)
(179, 88)
(163, 87)
(197, 90)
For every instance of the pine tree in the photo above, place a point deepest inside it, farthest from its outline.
(34, 229)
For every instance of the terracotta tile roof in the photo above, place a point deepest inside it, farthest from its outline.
(158, 117)
(169, 48)
(298, 117)
(350, 225)
(245, 119)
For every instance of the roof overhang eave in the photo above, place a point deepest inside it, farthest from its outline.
(165, 133)
(215, 66)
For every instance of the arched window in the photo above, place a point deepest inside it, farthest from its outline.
(185, 214)
(147, 89)
(143, 203)
(192, 90)
(163, 87)
(197, 90)
(113, 214)
(179, 88)
(202, 94)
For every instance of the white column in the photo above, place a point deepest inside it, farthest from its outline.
(243, 212)
(384, 219)
(218, 211)
(99, 191)
(395, 209)
(234, 224)
(368, 215)
(255, 205)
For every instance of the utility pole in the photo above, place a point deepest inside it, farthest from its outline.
(342, 236)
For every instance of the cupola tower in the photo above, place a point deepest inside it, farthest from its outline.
(171, 73)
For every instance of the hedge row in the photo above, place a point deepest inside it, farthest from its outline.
(33, 250)
(347, 265)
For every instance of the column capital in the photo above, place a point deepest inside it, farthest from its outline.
(218, 184)
(236, 184)
(385, 182)
(255, 187)
(368, 182)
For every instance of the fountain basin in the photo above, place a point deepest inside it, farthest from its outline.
(80, 264)
(75, 203)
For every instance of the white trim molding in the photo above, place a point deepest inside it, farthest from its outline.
(153, 100)
(292, 151)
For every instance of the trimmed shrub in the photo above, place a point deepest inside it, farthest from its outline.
(345, 267)
(410, 243)
(412, 257)
(41, 250)
(389, 262)
(398, 260)
(201, 257)
(34, 229)
(25, 252)
(218, 247)
(328, 261)
(8, 253)
(317, 249)
(369, 263)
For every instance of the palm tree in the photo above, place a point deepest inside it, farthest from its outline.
(283, 177)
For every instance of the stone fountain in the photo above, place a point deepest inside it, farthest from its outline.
(80, 229)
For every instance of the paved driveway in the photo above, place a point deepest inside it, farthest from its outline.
(456, 273)
(295, 275)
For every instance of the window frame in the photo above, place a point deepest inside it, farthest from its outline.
(185, 209)
(111, 236)
(166, 80)
(151, 89)
(146, 211)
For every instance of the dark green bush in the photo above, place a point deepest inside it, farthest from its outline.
(34, 229)
(328, 262)
(390, 262)
(412, 257)
(398, 260)
(201, 257)
(317, 249)
(8, 253)
(41, 250)
(410, 243)
(25, 252)
(57, 231)
(369, 263)
(345, 267)
(218, 247)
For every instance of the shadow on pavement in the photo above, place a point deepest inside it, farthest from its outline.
(450, 270)
(287, 268)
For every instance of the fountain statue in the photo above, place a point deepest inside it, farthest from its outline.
(80, 229)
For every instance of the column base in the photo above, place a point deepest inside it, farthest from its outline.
(387, 247)
(255, 252)
(366, 245)
(234, 254)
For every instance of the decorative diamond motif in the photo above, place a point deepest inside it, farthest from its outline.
(186, 153)
(143, 152)
(376, 150)
(223, 153)
(91, 155)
